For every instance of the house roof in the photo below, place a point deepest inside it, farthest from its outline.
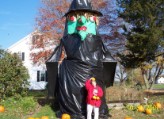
(23, 39)
(20, 41)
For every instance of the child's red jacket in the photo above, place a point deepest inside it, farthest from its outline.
(90, 95)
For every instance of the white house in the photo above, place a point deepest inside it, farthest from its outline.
(37, 73)
(160, 80)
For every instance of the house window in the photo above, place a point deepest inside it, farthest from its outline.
(21, 55)
(41, 76)
(37, 38)
(34, 39)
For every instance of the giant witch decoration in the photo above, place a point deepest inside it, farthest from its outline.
(86, 56)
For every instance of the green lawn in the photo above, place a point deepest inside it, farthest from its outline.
(45, 111)
(158, 86)
(26, 107)
(18, 108)
(36, 105)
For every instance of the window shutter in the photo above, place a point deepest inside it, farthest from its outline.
(46, 76)
(38, 76)
(23, 56)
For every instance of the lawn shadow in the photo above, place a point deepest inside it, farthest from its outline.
(41, 96)
(52, 102)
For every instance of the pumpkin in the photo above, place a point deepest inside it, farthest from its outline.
(94, 97)
(2, 109)
(158, 105)
(44, 117)
(148, 111)
(140, 108)
(66, 116)
(31, 118)
(97, 98)
(128, 117)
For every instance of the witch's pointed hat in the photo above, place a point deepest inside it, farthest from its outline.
(82, 5)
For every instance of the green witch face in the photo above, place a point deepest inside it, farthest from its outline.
(82, 25)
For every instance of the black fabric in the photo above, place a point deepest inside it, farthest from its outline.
(109, 69)
(84, 60)
(52, 72)
(89, 51)
(82, 5)
(55, 57)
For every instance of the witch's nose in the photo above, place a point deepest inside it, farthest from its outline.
(82, 20)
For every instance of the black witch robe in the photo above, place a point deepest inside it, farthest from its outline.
(84, 60)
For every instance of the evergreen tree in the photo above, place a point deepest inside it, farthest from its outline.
(145, 37)
(147, 32)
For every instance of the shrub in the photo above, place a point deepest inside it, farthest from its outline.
(13, 75)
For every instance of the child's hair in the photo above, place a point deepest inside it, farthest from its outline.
(86, 14)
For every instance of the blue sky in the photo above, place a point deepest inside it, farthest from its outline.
(17, 19)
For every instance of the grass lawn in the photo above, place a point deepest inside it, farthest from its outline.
(18, 108)
(45, 111)
(33, 105)
(158, 86)
(36, 105)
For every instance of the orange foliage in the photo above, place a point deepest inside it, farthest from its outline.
(99, 4)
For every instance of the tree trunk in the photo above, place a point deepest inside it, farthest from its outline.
(146, 81)
(122, 82)
(145, 78)
(151, 85)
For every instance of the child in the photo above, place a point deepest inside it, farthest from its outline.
(93, 98)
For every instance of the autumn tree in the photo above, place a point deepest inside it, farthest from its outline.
(110, 27)
(145, 36)
(50, 27)
(50, 24)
